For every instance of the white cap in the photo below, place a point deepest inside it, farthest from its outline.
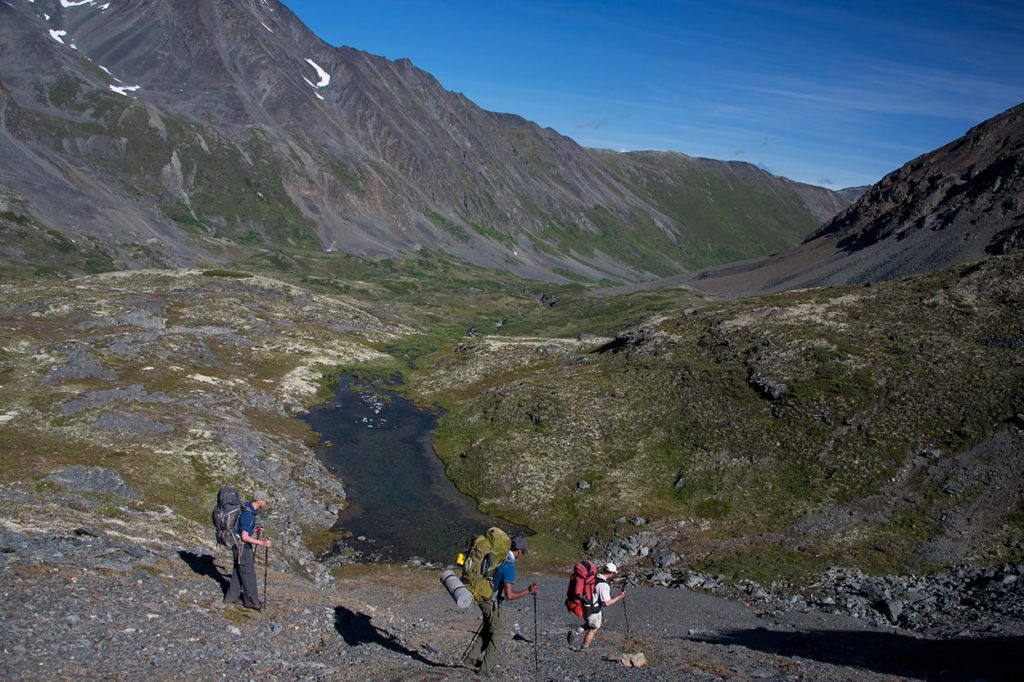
(611, 568)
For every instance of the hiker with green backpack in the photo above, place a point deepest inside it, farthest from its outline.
(489, 573)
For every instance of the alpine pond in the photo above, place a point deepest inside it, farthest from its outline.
(401, 503)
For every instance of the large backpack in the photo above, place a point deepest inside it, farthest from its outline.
(225, 516)
(579, 598)
(482, 560)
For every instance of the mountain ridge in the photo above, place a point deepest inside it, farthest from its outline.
(959, 203)
(344, 151)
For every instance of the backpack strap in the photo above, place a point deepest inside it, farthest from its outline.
(597, 600)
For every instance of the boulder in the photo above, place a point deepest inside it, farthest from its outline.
(693, 581)
(891, 609)
(767, 388)
(666, 559)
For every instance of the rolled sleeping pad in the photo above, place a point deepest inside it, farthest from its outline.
(452, 583)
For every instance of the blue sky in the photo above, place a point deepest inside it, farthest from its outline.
(836, 94)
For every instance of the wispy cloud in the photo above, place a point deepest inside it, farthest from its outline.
(595, 124)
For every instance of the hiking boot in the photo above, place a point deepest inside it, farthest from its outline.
(570, 637)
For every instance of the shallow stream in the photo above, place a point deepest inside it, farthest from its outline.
(401, 503)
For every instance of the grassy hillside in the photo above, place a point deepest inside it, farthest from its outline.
(727, 211)
(743, 428)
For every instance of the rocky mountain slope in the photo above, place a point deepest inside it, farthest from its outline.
(191, 133)
(959, 203)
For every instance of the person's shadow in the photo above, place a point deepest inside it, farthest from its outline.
(356, 629)
(203, 565)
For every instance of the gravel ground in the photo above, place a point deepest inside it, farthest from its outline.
(91, 606)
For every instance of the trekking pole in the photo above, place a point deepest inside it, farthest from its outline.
(266, 562)
(536, 661)
(625, 615)
(266, 585)
(470, 646)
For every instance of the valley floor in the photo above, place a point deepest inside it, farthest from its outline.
(89, 605)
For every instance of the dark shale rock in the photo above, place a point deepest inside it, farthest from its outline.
(93, 480)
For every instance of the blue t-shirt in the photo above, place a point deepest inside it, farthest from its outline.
(247, 520)
(506, 573)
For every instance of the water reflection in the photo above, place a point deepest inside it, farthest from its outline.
(381, 446)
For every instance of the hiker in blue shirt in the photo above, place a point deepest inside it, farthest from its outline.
(243, 587)
(486, 647)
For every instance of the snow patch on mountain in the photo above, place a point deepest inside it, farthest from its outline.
(124, 89)
(325, 78)
(107, 71)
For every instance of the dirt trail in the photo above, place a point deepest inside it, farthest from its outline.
(96, 607)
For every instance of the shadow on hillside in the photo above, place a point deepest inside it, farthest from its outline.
(992, 658)
(357, 629)
(204, 565)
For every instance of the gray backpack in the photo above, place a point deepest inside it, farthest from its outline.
(225, 516)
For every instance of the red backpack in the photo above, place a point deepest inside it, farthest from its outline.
(581, 587)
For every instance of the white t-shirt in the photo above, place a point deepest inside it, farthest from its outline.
(602, 592)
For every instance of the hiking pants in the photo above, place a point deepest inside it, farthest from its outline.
(243, 578)
(486, 647)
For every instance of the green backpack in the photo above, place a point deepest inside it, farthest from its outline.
(482, 560)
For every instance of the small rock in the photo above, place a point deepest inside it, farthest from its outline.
(582, 485)
(680, 483)
(234, 630)
(639, 521)
(91, 532)
(637, 660)
(333, 508)
(275, 627)
(590, 545)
